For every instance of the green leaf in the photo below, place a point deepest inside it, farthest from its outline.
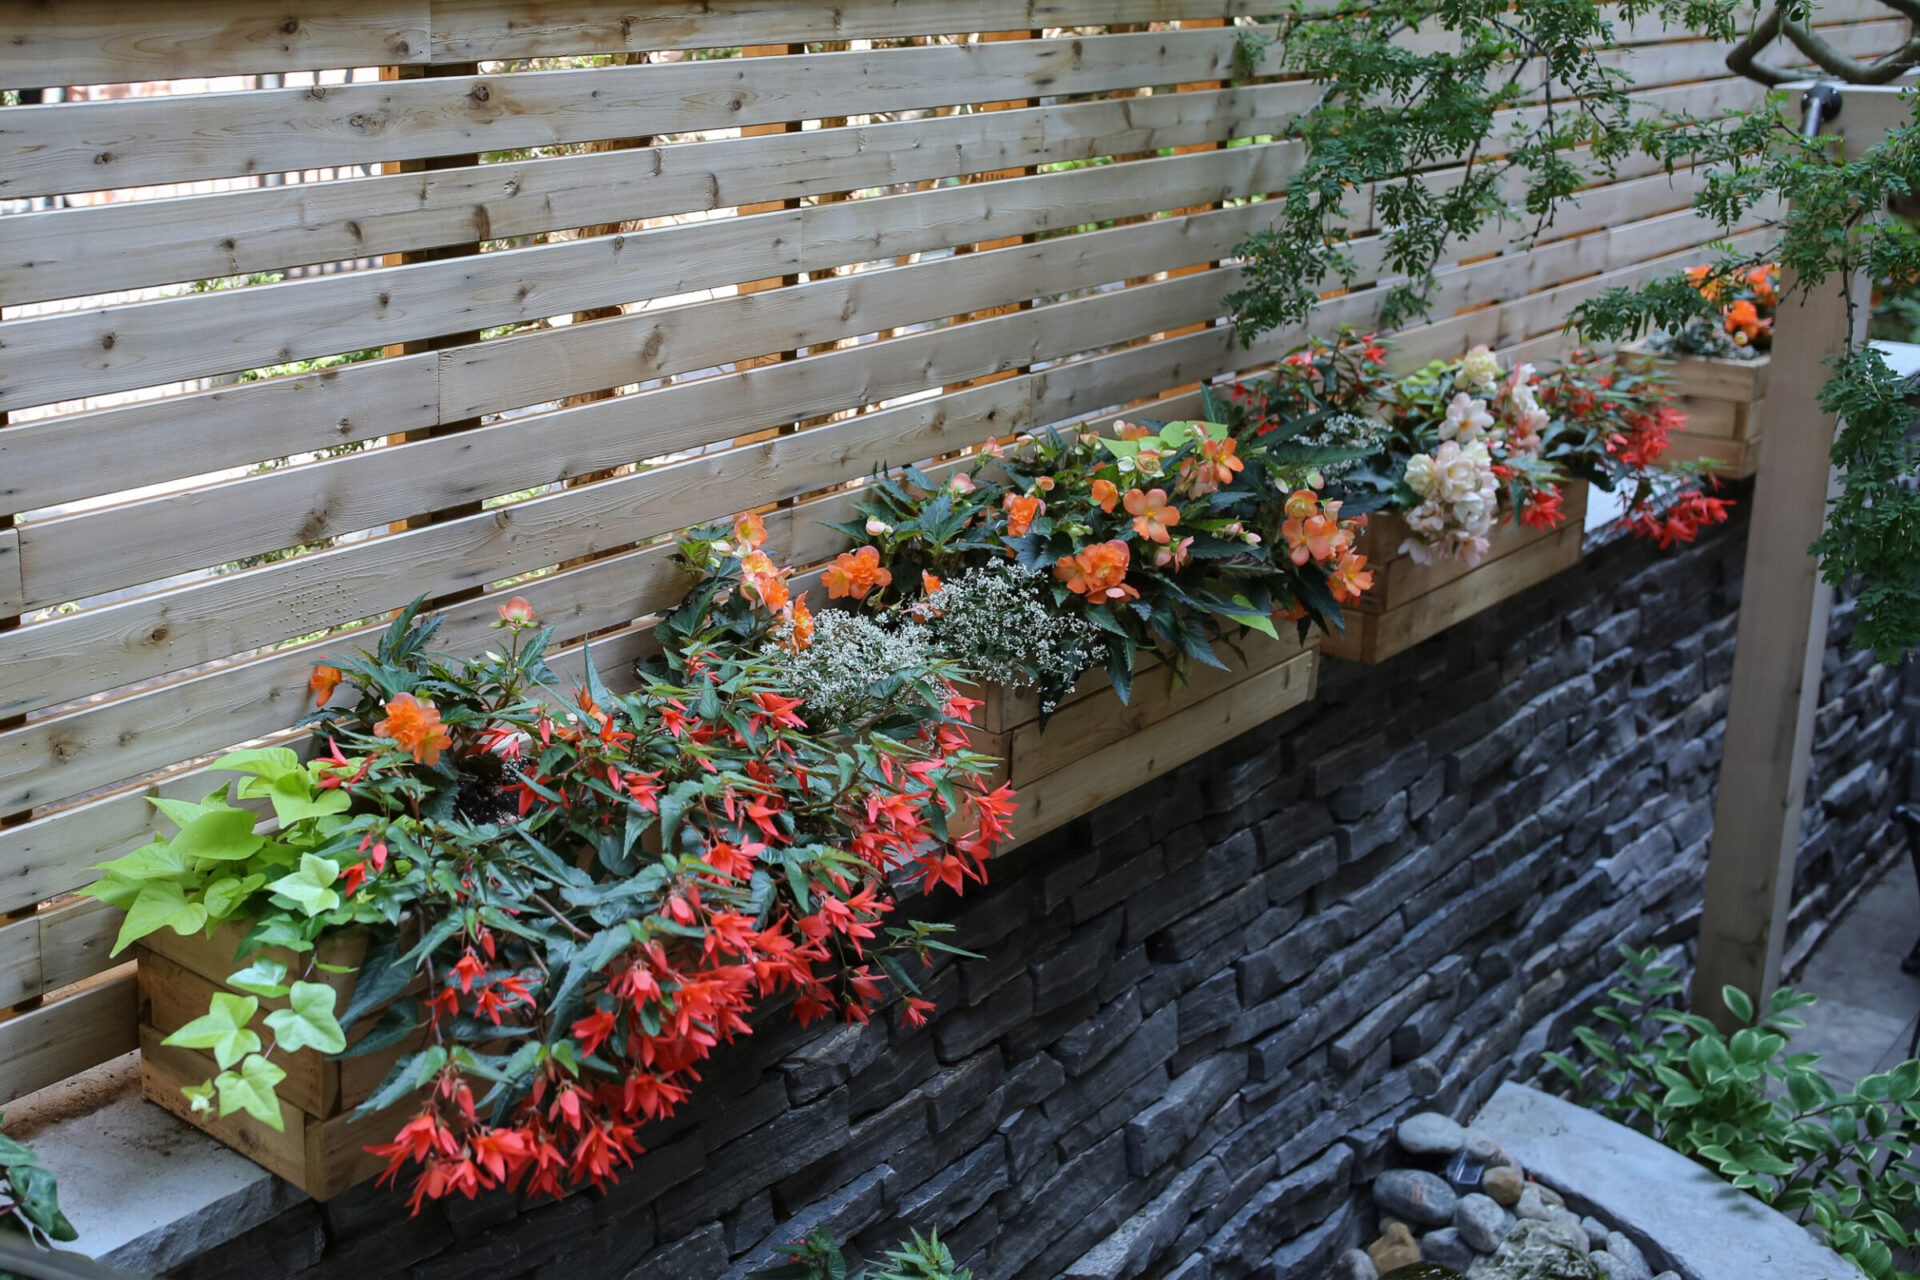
(263, 977)
(308, 1021)
(223, 1029)
(251, 1089)
(294, 799)
(37, 1193)
(225, 896)
(160, 906)
(265, 763)
(1738, 1003)
(225, 835)
(309, 886)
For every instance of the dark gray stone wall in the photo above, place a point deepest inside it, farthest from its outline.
(1202, 1008)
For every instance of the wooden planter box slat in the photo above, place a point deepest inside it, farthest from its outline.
(1095, 749)
(1411, 602)
(1723, 400)
(321, 1148)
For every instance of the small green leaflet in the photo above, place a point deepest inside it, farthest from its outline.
(159, 906)
(262, 978)
(251, 1089)
(308, 887)
(223, 1029)
(308, 1022)
(294, 799)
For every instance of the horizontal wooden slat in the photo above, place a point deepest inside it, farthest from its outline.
(54, 460)
(60, 1039)
(100, 145)
(51, 254)
(483, 30)
(69, 42)
(89, 353)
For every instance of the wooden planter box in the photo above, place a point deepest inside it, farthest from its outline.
(1410, 601)
(1095, 748)
(1722, 400)
(322, 1147)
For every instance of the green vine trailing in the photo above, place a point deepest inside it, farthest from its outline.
(1505, 113)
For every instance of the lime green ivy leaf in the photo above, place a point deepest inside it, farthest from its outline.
(223, 1029)
(267, 764)
(251, 1089)
(225, 835)
(308, 886)
(263, 977)
(199, 1096)
(225, 896)
(161, 860)
(160, 906)
(183, 812)
(308, 1022)
(294, 799)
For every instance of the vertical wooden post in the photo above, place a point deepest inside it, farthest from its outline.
(1782, 631)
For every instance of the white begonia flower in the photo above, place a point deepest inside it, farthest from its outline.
(1458, 471)
(1480, 370)
(1420, 474)
(1466, 418)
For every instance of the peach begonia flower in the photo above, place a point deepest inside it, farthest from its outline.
(324, 680)
(416, 726)
(1152, 514)
(764, 582)
(750, 531)
(1744, 322)
(929, 583)
(802, 618)
(1218, 462)
(1350, 577)
(1175, 557)
(1021, 511)
(855, 573)
(1099, 573)
(1130, 431)
(1318, 537)
(1106, 494)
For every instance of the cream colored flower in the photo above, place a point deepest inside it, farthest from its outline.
(1480, 370)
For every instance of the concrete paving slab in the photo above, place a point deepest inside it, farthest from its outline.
(1682, 1216)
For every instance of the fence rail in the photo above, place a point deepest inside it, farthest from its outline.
(561, 281)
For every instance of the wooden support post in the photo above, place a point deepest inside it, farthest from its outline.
(1782, 631)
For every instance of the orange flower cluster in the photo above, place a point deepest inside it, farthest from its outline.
(766, 583)
(1021, 511)
(1747, 301)
(415, 725)
(855, 573)
(1315, 533)
(1099, 573)
(1213, 468)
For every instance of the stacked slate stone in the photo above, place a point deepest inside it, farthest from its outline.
(1462, 1202)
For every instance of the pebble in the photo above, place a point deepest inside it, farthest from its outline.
(1415, 1195)
(1632, 1263)
(1481, 1221)
(1504, 1183)
(1448, 1248)
(1552, 1198)
(1532, 1206)
(1568, 1219)
(1606, 1266)
(1394, 1249)
(1485, 1149)
(1596, 1230)
(1354, 1264)
(1428, 1133)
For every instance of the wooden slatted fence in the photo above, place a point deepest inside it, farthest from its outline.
(556, 280)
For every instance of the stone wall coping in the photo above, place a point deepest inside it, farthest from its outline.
(145, 1190)
(1696, 1222)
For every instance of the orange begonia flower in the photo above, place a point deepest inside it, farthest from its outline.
(1099, 573)
(763, 581)
(323, 682)
(1214, 468)
(1020, 513)
(750, 531)
(1152, 514)
(416, 726)
(1350, 577)
(802, 618)
(855, 573)
(1107, 494)
(928, 583)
